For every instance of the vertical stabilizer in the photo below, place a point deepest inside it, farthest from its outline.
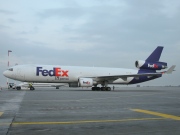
(155, 55)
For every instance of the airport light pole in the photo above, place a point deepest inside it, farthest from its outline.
(8, 67)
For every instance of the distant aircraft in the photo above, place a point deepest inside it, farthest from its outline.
(77, 76)
(28, 85)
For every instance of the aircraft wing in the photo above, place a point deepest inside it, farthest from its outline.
(124, 77)
(24, 84)
(58, 85)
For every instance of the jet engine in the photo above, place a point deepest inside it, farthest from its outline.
(85, 82)
(150, 65)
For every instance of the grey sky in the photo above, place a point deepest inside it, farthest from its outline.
(90, 33)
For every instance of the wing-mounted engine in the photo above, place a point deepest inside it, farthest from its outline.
(150, 65)
(85, 82)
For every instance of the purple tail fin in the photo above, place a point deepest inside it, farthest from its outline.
(155, 55)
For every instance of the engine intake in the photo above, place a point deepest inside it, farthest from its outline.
(150, 65)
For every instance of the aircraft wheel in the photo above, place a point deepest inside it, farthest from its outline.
(103, 88)
(32, 88)
(96, 88)
(108, 89)
(18, 88)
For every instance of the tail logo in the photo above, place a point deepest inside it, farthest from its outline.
(153, 66)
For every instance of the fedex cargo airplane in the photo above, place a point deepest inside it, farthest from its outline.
(77, 76)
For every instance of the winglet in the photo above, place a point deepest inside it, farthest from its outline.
(170, 70)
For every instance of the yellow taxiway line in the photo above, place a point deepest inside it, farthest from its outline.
(167, 116)
(1, 113)
(83, 122)
(162, 116)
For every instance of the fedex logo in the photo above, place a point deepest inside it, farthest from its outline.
(54, 72)
(152, 66)
(86, 82)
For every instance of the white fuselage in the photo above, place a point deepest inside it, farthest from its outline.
(65, 74)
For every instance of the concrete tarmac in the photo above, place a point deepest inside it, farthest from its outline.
(67, 111)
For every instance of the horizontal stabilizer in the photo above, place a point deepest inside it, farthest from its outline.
(171, 69)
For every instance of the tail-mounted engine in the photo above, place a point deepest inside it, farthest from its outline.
(150, 65)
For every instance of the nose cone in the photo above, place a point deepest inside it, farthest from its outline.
(6, 73)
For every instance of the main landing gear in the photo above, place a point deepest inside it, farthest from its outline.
(101, 88)
(18, 88)
(104, 87)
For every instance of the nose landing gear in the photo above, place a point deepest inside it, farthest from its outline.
(32, 88)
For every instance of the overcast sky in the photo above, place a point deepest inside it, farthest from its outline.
(107, 33)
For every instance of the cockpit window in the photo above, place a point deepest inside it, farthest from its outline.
(10, 69)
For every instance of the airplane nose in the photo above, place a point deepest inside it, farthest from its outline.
(5, 73)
